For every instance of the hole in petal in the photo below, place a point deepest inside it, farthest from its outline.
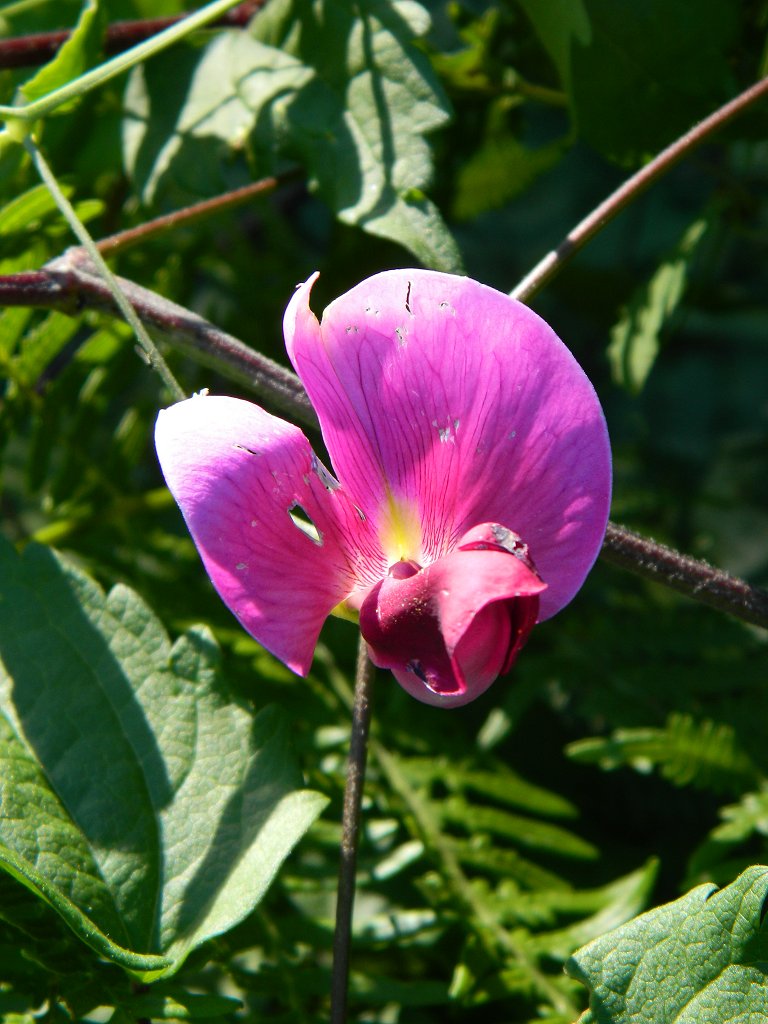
(303, 521)
(330, 483)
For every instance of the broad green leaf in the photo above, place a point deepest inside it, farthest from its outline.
(560, 25)
(646, 72)
(700, 960)
(148, 810)
(338, 86)
(636, 338)
(73, 58)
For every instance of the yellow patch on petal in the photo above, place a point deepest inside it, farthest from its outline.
(344, 610)
(400, 532)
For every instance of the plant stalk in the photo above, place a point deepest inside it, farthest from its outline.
(350, 833)
(576, 239)
(148, 347)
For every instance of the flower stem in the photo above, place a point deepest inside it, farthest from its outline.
(350, 830)
(546, 268)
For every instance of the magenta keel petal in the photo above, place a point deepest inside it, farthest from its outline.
(281, 548)
(447, 631)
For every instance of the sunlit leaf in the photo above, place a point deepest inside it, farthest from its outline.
(700, 960)
(338, 86)
(147, 809)
(72, 59)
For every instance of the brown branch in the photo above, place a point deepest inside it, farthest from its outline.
(69, 285)
(696, 579)
(39, 48)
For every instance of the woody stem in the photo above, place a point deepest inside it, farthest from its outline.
(350, 832)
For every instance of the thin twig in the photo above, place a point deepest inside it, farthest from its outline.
(38, 48)
(122, 240)
(350, 832)
(150, 350)
(546, 268)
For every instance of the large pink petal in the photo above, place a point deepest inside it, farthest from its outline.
(237, 474)
(449, 630)
(444, 404)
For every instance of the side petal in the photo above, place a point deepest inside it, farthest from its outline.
(449, 630)
(280, 544)
(444, 404)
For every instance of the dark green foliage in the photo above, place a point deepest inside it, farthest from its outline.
(625, 759)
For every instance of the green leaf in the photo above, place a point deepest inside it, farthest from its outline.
(498, 171)
(700, 960)
(525, 832)
(507, 787)
(146, 808)
(180, 1005)
(742, 820)
(73, 58)
(560, 25)
(28, 208)
(338, 86)
(647, 72)
(636, 338)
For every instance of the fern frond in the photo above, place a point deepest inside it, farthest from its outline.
(704, 754)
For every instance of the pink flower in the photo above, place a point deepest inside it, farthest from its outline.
(471, 494)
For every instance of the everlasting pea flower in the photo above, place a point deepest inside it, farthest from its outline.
(471, 488)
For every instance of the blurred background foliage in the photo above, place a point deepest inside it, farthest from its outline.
(625, 759)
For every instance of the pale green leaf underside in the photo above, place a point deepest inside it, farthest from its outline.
(147, 809)
(700, 960)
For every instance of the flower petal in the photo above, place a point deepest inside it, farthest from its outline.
(281, 543)
(449, 630)
(444, 404)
